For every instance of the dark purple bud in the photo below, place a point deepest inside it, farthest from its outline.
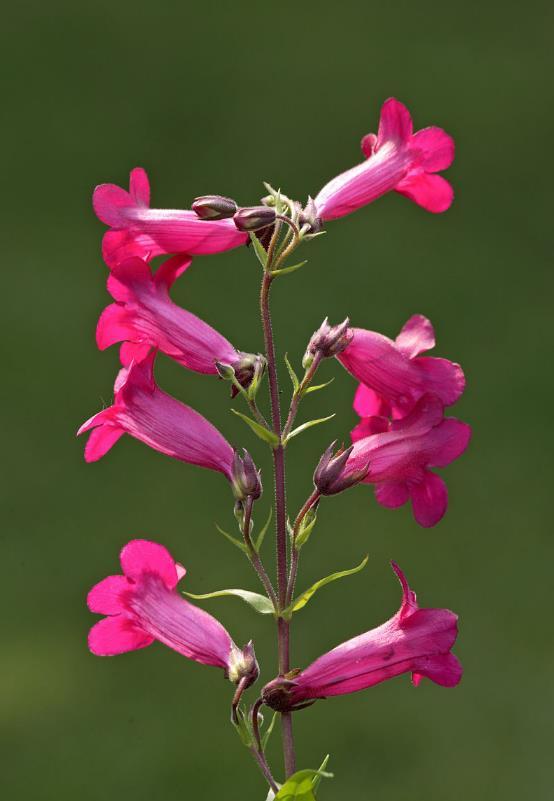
(277, 693)
(308, 216)
(254, 217)
(243, 665)
(249, 370)
(332, 476)
(328, 340)
(246, 479)
(214, 207)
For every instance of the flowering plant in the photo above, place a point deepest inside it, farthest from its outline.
(402, 436)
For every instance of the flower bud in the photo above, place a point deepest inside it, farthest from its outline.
(254, 217)
(276, 694)
(331, 476)
(246, 480)
(249, 370)
(328, 340)
(214, 207)
(243, 665)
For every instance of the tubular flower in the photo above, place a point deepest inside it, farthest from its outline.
(144, 316)
(142, 410)
(396, 159)
(392, 373)
(138, 230)
(416, 641)
(143, 605)
(398, 456)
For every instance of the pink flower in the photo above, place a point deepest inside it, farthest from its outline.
(138, 230)
(396, 159)
(143, 605)
(144, 316)
(400, 453)
(393, 375)
(142, 410)
(416, 641)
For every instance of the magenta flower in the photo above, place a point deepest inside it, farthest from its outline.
(143, 605)
(416, 641)
(396, 159)
(142, 410)
(400, 454)
(144, 316)
(393, 375)
(138, 230)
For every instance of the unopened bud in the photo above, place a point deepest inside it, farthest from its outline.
(214, 207)
(328, 340)
(277, 693)
(249, 371)
(243, 665)
(331, 475)
(308, 216)
(254, 217)
(246, 479)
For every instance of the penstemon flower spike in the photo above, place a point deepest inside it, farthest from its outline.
(402, 436)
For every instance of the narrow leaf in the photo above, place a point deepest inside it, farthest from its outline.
(261, 431)
(267, 734)
(258, 602)
(232, 539)
(263, 532)
(304, 533)
(316, 781)
(309, 424)
(293, 376)
(243, 728)
(305, 596)
(318, 386)
(259, 249)
(291, 269)
(299, 786)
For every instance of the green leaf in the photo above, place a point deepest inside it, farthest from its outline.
(316, 781)
(267, 733)
(244, 728)
(259, 249)
(306, 529)
(258, 602)
(309, 424)
(293, 376)
(261, 431)
(263, 532)
(305, 596)
(299, 786)
(318, 387)
(232, 539)
(291, 269)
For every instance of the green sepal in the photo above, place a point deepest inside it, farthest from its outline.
(306, 528)
(233, 540)
(300, 786)
(291, 269)
(305, 596)
(309, 424)
(263, 532)
(267, 733)
(293, 376)
(244, 728)
(316, 781)
(259, 249)
(317, 387)
(258, 602)
(261, 431)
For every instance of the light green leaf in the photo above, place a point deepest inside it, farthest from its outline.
(263, 532)
(267, 733)
(291, 269)
(243, 728)
(259, 249)
(232, 539)
(258, 602)
(316, 781)
(306, 529)
(309, 424)
(317, 387)
(261, 431)
(305, 596)
(299, 786)
(293, 376)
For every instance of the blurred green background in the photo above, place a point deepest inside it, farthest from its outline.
(217, 98)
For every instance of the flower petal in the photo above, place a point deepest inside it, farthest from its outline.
(450, 441)
(368, 403)
(443, 377)
(139, 187)
(117, 635)
(443, 669)
(432, 192)
(436, 147)
(114, 325)
(429, 500)
(101, 440)
(142, 556)
(416, 336)
(392, 494)
(395, 123)
(105, 597)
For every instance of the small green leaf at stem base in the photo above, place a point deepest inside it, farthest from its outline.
(258, 602)
(300, 786)
(301, 601)
(268, 731)
(293, 376)
(243, 727)
(304, 426)
(263, 532)
(233, 540)
(263, 433)
(259, 249)
(291, 269)
(317, 387)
